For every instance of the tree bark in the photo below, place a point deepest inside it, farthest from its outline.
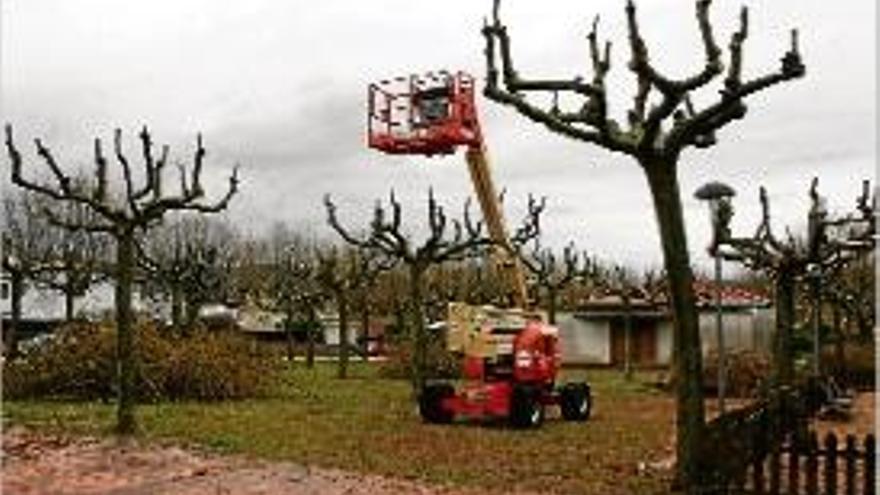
(342, 308)
(690, 412)
(176, 308)
(785, 311)
(816, 296)
(552, 300)
(16, 293)
(417, 329)
(627, 342)
(125, 357)
(69, 298)
(288, 332)
(365, 324)
(192, 305)
(839, 354)
(310, 338)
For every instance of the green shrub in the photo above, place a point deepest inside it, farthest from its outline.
(79, 362)
(746, 371)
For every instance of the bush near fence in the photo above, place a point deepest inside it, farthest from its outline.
(766, 448)
(857, 369)
(746, 371)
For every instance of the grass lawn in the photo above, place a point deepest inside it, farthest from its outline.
(369, 424)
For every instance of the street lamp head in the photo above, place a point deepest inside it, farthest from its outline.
(718, 195)
(714, 191)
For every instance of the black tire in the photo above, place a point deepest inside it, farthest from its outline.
(575, 402)
(526, 409)
(431, 403)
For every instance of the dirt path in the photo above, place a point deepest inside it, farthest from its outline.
(51, 465)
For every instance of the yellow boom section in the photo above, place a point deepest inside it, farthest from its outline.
(506, 262)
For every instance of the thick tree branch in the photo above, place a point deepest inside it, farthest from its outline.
(599, 129)
(731, 106)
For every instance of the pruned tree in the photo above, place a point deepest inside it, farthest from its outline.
(341, 274)
(390, 298)
(655, 134)
(365, 297)
(51, 257)
(308, 296)
(26, 245)
(189, 260)
(447, 240)
(288, 283)
(852, 293)
(787, 260)
(77, 259)
(483, 284)
(552, 274)
(624, 283)
(618, 280)
(468, 281)
(122, 215)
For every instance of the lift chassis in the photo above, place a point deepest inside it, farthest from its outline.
(510, 357)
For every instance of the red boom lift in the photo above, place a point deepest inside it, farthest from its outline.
(511, 356)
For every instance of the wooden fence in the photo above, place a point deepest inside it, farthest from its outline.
(766, 449)
(833, 467)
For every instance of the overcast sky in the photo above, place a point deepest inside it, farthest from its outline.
(279, 87)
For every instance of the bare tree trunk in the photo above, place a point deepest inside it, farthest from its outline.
(176, 308)
(125, 356)
(310, 338)
(16, 290)
(140, 208)
(690, 411)
(552, 301)
(342, 308)
(69, 298)
(417, 330)
(816, 296)
(627, 339)
(288, 332)
(365, 324)
(785, 287)
(192, 312)
(839, 353)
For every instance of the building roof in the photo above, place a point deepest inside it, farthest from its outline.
(732, 298)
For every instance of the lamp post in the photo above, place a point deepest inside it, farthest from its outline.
(718, 196)
(816, 236)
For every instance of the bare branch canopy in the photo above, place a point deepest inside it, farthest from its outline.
(644, 135)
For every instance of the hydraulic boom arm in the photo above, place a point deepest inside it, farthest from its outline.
(435, 114)
(484, 188)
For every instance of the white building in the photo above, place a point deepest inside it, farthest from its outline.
(595, 334)
(42, 308)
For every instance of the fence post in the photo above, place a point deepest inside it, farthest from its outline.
(756, 452)
(775, 468)
(830, 464)
(794, 465)
(849, 456)
(812, 466)
(758, 475)
(870, 463)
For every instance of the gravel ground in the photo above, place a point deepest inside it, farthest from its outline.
(36, 463)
